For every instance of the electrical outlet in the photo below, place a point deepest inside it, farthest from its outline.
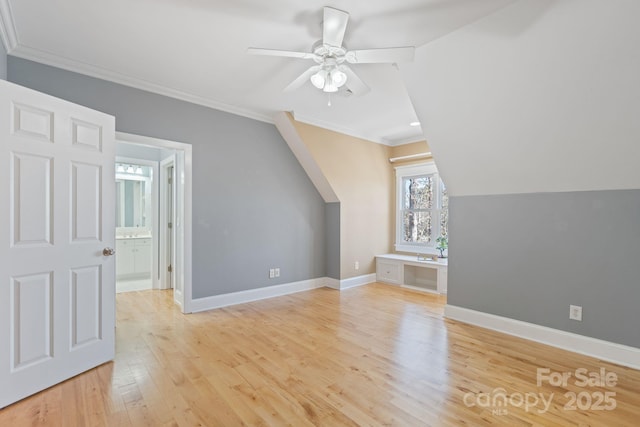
(356, 265)
(277, 271)
(272, 273)
(575, 312)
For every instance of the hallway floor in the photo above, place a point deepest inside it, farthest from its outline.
(133, 285)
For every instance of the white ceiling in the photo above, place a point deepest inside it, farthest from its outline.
(196, 50)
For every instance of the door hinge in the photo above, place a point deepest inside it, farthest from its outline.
(170, 269)
(170, 180)
(170, 225)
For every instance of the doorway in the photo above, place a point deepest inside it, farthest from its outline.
(136, 222)
(168, 235)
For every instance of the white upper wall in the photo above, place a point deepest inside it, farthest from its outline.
(542, 96)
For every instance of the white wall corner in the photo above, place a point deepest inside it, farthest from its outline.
(304, 156)
(332, 283)
(357, 281)
(593, 347)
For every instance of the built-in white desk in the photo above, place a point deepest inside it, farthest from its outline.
(407, 271)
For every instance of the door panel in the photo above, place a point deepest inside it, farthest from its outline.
(31, 187)
(31, 320)
(85, 199)
(57, 289)
(86, 305)
(87, 136)
(32, 122)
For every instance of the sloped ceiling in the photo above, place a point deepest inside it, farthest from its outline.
(541, 96)
(196, 50)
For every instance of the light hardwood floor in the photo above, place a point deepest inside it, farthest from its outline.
(374, 355)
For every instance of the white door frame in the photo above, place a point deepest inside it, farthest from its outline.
(154, 220)
(184, 184)
(170, 161)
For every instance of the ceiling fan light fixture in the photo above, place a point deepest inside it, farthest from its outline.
(329, 79)
(338, 77)
(319, 79)
(330, 87)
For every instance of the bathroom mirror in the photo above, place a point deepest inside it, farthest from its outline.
(132, 201)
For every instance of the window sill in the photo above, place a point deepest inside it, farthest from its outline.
(428, 250)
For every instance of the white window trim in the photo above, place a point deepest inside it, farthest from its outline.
(406, 172)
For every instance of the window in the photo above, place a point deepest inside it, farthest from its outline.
(422, 208)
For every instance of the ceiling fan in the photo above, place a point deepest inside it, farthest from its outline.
(331, 71)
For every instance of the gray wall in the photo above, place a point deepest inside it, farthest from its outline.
(254, 207)
(332, 230)
(3, 62)
(528, 256)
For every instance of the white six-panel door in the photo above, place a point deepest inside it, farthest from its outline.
(57, 288)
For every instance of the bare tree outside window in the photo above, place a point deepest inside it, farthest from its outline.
(424, 217)
(444, 212)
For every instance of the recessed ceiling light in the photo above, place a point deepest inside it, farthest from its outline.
(414, 124)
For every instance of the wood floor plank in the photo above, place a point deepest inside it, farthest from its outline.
(374, 355)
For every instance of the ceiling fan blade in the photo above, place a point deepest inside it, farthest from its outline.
(334, 26)
(275, 52)
(302, 78)
(354, 83)
(384, 55)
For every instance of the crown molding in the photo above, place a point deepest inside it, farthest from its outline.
(46, 58)
(408, 140)
(351, 132)
(25, 52)
(7, 27)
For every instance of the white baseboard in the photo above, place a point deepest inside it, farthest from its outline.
(217, 301)
(224, 300)
(604, 350)
(352, 282)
